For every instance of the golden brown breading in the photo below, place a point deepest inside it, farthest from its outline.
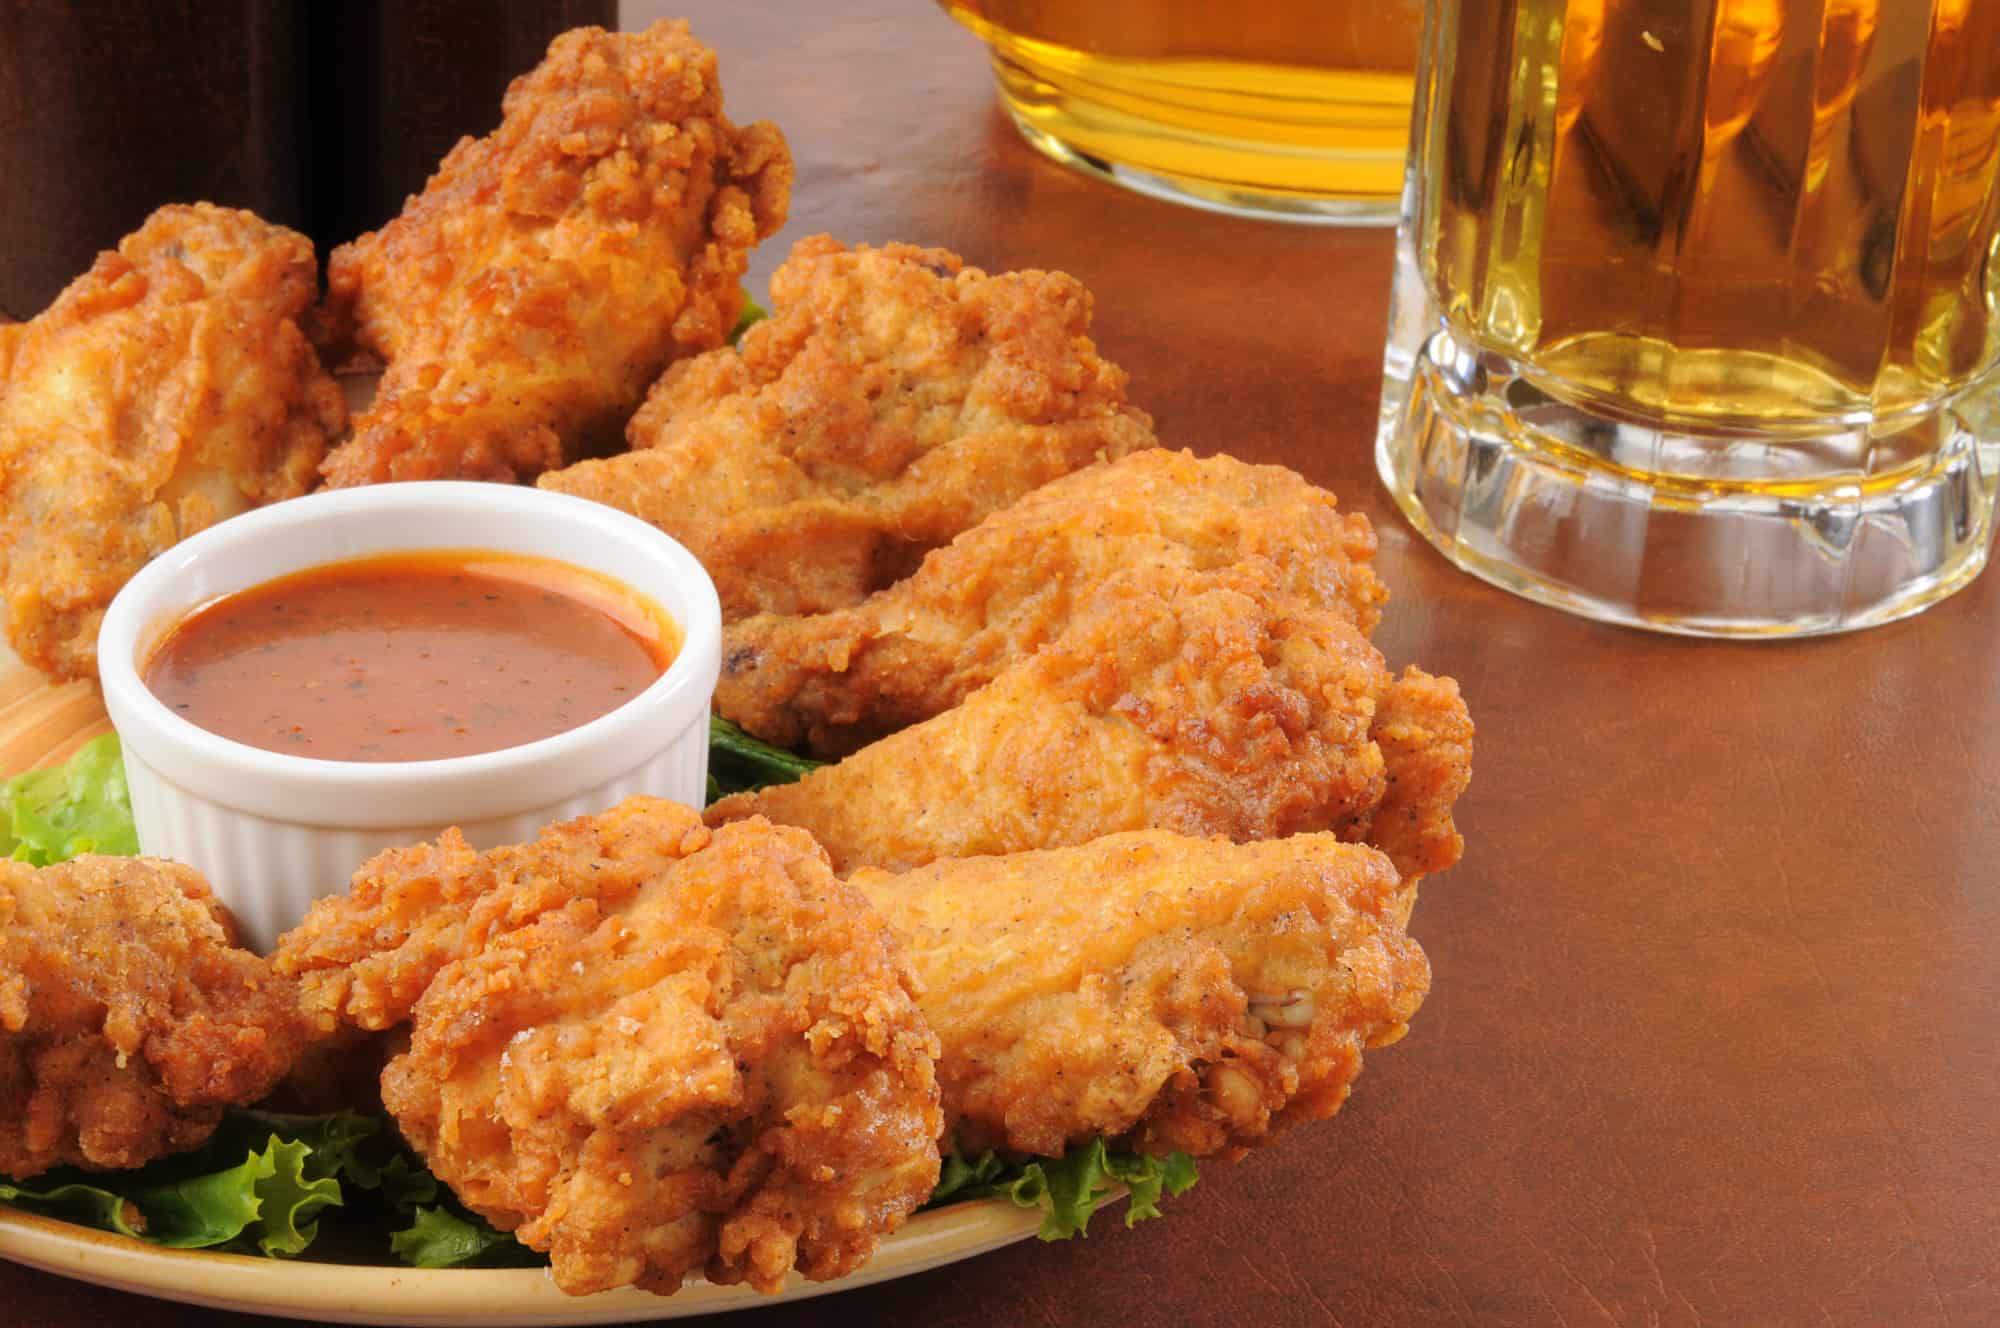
(893, 399)
(1008, 586)
(1425, 735)
(165, 389)
(364, 957)
(128, 1017)
(647, 1049)
(1182, 993)
(1234, 709)
(550, 270)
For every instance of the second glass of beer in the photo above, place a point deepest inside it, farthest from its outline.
(1292, 109)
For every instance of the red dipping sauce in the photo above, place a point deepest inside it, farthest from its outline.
(412, 656)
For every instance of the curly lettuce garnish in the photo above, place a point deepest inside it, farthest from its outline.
(79, 807)
(1068, 1189)
(446, 1236)
(753, 314)
(256, 1187)
(738, 762)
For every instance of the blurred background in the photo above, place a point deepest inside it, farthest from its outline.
(321, 115)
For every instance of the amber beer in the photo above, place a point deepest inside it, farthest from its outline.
(1289, 107)
(1697, 316)
(1719, 216)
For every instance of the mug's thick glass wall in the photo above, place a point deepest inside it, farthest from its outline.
(1696, 302)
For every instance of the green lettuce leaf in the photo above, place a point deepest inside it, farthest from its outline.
(738, 762)
(753, 314)
(267, 1200)
(259, 1184)
(85, 1204)
(443, 1237)
(1068, 1189)
(79, 807)
(288, 1199)
(203, 1211)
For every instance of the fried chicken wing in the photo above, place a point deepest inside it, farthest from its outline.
(10, 337)
(363, 958)
(128, 1017)
(644, 1047)
(1002, 590)
(1425, 735)
(1179, 993)
(167, 388)
(893, 399)
(1232, 709)
(550, 270)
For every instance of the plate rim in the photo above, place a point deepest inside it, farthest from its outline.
(447, 1297)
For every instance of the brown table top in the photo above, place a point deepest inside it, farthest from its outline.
(1715, 1031)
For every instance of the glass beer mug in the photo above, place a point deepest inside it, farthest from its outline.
(1697, 306)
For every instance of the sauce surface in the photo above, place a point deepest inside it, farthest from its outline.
(412, 656)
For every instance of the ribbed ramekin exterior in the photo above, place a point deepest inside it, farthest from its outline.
(269, 871)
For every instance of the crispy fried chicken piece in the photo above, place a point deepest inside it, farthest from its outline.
(364, 957)
(128, 1017)
(1232, 709)
(550, 270)
(893, 399)
(1008, 586)
(167, 388)
(1425, 734)
(644, 1047)
(1181, 993)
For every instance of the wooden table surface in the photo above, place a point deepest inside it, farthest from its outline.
(1715, 1031)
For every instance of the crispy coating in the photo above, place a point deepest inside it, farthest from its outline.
(363, 958)
(1425, 734)
(1179, 993)
(1230, 709)
(167, 388)
(128, 1017)
(646, 1048)
(894, 398)
(999, 592)
(550, 270)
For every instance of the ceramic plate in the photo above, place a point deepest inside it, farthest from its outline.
(490, 1298)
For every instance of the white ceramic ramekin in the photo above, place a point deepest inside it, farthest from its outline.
(273, 832)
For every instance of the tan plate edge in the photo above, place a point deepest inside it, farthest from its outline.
(375, 1294)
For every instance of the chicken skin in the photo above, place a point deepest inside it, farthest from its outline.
(10, 337)
(549, 271)
(1002, 590)
(128, 1017)
(1425, 737)
(167, 388)
(1178, 994)
(362, 958)
(647, 1048)
(894, 398)
(1229, 708)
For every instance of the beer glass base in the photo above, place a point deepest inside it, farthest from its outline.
(1501, 496)
(1209, 195)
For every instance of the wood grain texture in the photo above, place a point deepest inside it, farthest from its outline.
(1715, 1031)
